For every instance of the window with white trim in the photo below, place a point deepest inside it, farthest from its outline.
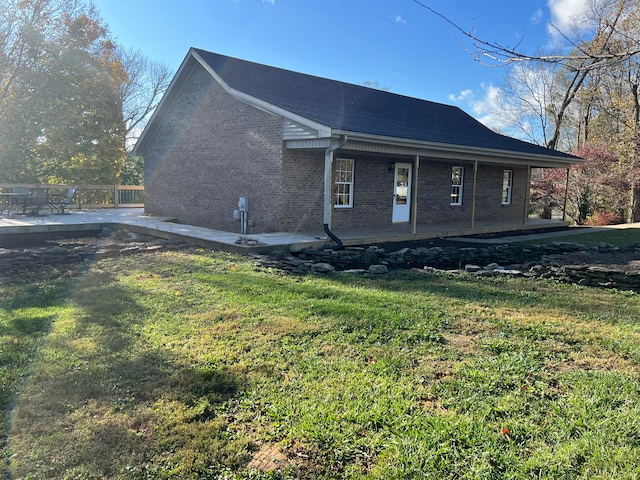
(507, 187)
(457, 181)
(343, 174)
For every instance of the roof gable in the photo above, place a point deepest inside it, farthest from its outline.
(358, 109)
(316, 107)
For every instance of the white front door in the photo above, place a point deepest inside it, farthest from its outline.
(402, 193)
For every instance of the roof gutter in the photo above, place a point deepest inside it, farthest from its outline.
(561, 160)
(328, 168)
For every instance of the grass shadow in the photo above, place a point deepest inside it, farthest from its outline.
(99, 391)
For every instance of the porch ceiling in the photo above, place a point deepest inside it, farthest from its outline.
(402, 148)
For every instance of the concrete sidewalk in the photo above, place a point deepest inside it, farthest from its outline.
(92, 221)
(134, 218)
(571, 231)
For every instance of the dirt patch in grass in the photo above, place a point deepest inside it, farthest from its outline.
(603, 362)
(269, 458)
(465, 344)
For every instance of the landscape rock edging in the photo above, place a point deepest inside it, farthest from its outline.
(563, 261)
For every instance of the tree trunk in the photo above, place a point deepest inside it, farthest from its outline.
(634, 207)
(569, 95)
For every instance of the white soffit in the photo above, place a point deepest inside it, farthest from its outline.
(358, 143)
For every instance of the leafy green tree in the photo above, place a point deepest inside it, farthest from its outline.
(60, 105)
(133, 171)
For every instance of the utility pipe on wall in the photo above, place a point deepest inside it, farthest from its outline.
(328, 176)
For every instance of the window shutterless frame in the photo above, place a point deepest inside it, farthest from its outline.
(457, 182)
(343, 177)
(507, 187)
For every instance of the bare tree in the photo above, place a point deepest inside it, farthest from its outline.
(525, 100)
(610, 44)
(147, 81)
(592, 97)
(604, 17)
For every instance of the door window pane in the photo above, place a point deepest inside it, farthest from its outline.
(402, 185)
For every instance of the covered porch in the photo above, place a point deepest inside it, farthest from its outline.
(405, 232)
(383, 179)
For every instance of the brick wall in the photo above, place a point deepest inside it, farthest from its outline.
(489, 195)
(210, 150)
(303, 190)
(434, 193)
(372, 194)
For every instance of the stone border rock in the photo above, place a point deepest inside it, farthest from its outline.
(544, 261)
(555, 260)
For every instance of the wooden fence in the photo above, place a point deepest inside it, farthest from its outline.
(93, 196)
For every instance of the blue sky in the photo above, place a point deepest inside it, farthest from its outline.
(396, 43)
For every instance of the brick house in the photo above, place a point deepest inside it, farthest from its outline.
(228, 128)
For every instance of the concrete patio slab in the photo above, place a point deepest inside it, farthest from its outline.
(134, 219)
(91, 221)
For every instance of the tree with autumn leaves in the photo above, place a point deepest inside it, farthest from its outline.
(64, 109)
(600, 191)
(588, 102)
(582, 97)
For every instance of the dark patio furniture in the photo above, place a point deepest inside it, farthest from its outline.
(6, 201)
(39, 198)
(59, 201)
(15, 198)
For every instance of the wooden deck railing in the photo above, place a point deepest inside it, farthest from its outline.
(93, 196)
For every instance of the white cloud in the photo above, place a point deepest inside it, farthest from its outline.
(484, 105)
(537, 16)
(269, 1)
(487, 109)
(461, 97)
(565, 14)
(399, 19)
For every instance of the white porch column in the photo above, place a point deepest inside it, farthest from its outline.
(473, 195)
(527, 197)
(414, 196)
(566, 195)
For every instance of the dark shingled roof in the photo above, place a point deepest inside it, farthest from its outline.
(358, 109)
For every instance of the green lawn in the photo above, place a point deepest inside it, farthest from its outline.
(619, 237)
(195, 364)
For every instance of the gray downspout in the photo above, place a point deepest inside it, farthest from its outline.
(328, 168)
